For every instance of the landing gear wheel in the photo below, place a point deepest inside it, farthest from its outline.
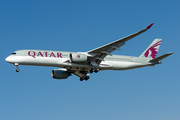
(96, 70)
(17, 70)
(81, 78)
(91, 71)
(86, 78)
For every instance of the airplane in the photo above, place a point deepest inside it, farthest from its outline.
(82, 64)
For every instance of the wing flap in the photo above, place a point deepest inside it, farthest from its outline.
(81, 73)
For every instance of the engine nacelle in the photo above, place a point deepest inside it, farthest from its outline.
(60, 74)
(78, 58)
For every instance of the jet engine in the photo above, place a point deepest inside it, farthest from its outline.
(78, 58)
(60, 74)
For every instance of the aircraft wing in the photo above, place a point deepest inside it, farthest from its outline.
(101, 52)
(81, 73)
(78, 73)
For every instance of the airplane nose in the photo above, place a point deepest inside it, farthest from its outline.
(8, 59)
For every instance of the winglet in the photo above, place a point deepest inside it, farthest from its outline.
(150, 25)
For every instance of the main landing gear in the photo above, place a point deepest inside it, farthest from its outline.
(16, 64)
(94, 65)
(94, 70)
(84, 78)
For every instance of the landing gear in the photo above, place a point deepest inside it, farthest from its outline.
(91, 71)
(16, 64)
(84, 78)
(94, 70)
(17, 70)
(94, 65)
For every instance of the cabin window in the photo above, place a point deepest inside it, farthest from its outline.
(13, 53)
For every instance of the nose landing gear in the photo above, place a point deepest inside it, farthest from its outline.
(16, 64)
(17, 70)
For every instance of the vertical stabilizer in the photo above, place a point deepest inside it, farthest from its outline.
(152, 50)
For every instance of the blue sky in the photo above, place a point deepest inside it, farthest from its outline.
(139, 94)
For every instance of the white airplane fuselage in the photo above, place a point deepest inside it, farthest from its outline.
(62, 59)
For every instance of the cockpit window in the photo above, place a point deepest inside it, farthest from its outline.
(13, 53)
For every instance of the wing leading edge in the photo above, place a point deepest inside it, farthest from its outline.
(101, 52)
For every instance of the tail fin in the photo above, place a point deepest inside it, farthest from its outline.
(152, 50)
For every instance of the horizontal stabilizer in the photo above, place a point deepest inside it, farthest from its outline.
(160, 57)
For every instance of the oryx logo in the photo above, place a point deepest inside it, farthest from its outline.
(78, 56)
(152, 51)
